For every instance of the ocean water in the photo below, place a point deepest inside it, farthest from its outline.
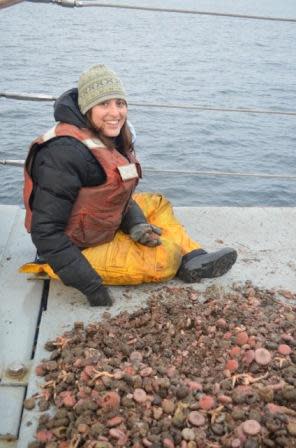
(165, 58)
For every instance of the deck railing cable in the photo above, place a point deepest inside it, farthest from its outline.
(20, 163)
(42, 98)
(85, 3)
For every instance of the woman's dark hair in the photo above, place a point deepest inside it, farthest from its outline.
(123, 142)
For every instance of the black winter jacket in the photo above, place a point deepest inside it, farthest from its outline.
(61, 167)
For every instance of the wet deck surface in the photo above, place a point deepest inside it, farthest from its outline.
(264, 238)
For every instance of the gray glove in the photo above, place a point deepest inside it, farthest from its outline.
(146, 234)
(100, 297)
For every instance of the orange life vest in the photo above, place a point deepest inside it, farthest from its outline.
(97, 211)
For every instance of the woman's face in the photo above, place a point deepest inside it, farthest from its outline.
(109, 117)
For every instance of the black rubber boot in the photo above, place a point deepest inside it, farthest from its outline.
(201, 264)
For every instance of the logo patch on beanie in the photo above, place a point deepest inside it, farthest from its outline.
(99, 84)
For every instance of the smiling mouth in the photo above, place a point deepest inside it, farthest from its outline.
(112, 123)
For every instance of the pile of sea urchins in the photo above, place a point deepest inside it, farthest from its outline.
(177, 373)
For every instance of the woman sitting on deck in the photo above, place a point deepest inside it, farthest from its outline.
(86, 225)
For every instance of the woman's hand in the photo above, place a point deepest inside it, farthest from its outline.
(100, 297)
(146, 234)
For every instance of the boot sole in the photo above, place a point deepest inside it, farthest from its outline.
(213, 265)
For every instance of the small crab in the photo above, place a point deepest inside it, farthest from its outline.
(61, 342)
(281, 361)
(75, 441)
(215, 413)
(62, 376)
(47, 390)
(99, 374)
(247, 378)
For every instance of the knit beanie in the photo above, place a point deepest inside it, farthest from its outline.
(98, 84)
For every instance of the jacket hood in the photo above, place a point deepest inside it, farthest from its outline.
(66, 109)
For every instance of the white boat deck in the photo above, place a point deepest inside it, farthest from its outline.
(265, 239)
